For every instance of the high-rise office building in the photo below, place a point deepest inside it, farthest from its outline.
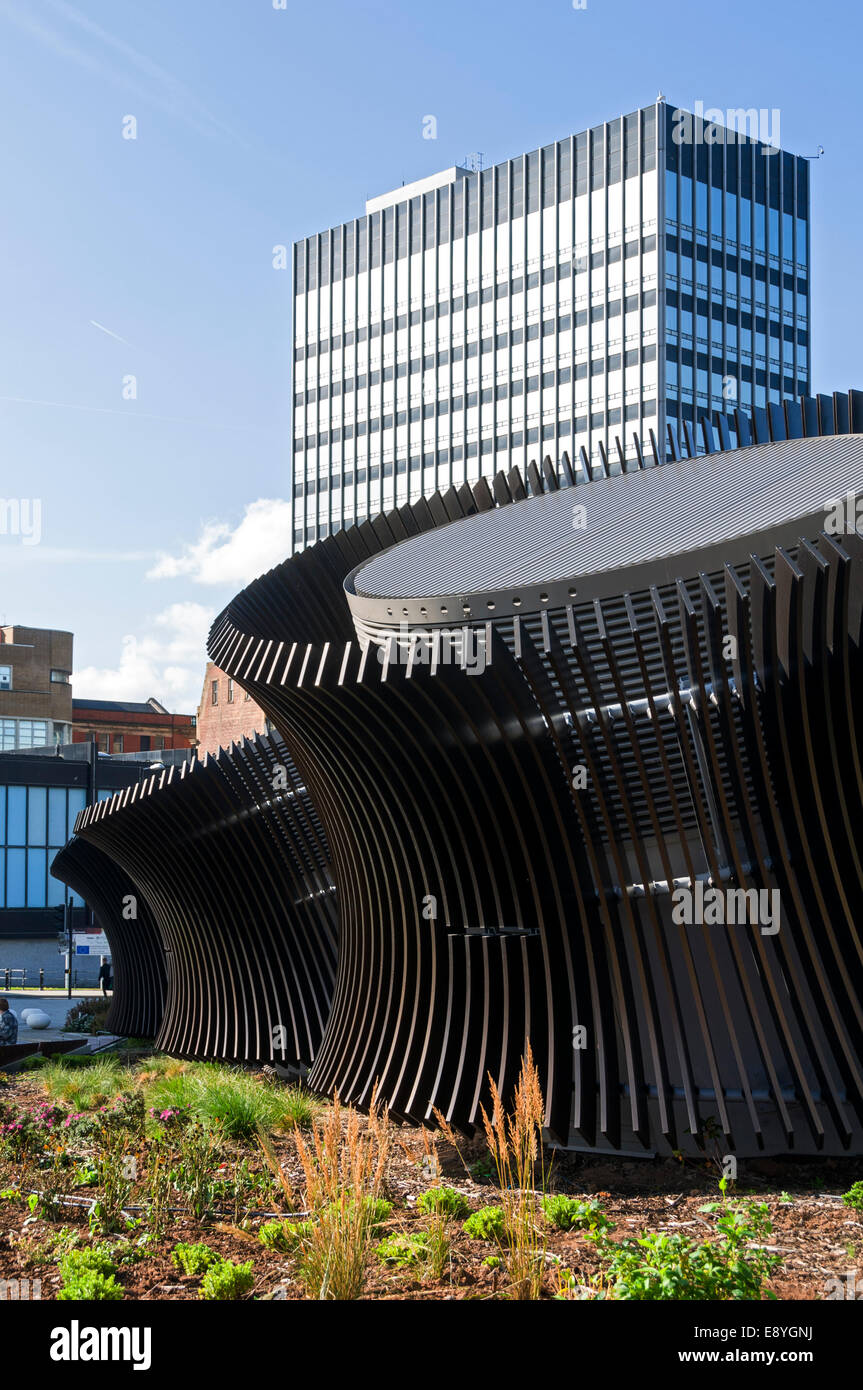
(649, 270)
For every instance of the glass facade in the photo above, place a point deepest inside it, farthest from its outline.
(35, 822)
(737, 311)
(484, 318)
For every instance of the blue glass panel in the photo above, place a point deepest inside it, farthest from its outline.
(36, 813)
(716, 211)
(16, 833)
(57, 815)
(701, 207)
(801, 241)
(77, 802)
(56, 889)
(774, 231)
(686, 199)
(15, 878)
(36, 868)
(746, 223)
(760, 228)
(2, 877)
(731, 217)
(671, 194)
(787, 236)
(2, 815)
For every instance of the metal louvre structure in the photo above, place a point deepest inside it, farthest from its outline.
(137, 953)
(227, 855)
(520, 748)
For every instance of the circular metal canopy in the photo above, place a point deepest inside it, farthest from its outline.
(613, 535)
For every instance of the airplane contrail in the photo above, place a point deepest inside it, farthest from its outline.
(103, 329)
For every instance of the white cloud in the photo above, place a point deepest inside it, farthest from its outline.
(167, 663)
(225, 556)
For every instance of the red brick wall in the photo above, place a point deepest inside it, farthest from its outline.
(177, 730)
(227, 722)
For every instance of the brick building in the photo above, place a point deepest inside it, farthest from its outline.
(35, 688)
(226, 713)
(125, 726)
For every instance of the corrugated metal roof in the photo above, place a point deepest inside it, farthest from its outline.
(628, 520)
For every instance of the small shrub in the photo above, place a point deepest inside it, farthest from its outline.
(575, 1214)
(403, 1249)
(659, 1266)
(854, 1197)
(89, 1285)
(284, 1236)
(87, 1016)
(227, 1281)
(88, 1273)
(444, 1200)
(97, 1258)
(486, 1224)
(194, 1258)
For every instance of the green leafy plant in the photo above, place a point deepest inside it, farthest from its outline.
(199, 1149)
(445, 1200)
(89, 1286)
(88, 1273)
(227, 1281)
(87, 1016)
(854, 1197)
(194, 1258)
(486, 1224)
(403, 1249)
(576, 1214)
(659, 1266)
(284, 1236)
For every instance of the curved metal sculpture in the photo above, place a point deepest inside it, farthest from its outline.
(227, 852)
(513, 844)
(582, 767)
(137, 953)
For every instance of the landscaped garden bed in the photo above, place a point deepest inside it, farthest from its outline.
(145, 1178)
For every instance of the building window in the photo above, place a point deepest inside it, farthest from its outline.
(230, 691)
(5, 677)
(60, 677)
(103, 743)
(38, 821)
(23, 733)
(160, 740)
(117, 743)
(214, 693)
(145, 743)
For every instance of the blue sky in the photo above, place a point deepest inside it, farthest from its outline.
(152, 258)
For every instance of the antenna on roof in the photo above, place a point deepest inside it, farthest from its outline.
(819, 155)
